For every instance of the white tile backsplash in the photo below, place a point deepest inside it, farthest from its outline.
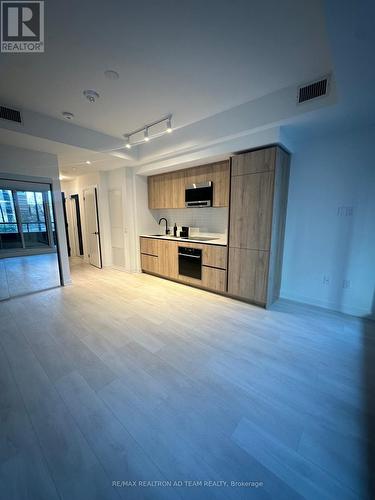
(208, 220)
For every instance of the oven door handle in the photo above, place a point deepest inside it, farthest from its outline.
(190, 256)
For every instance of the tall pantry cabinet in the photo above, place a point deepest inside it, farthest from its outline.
(258, 202)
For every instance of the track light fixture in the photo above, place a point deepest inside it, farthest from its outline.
(146, 131)
(169, 124)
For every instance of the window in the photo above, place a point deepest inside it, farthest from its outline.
(10, 236)
(26, 218)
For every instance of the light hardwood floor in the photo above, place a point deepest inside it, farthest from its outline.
(130, 377)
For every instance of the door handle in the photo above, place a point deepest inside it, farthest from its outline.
(96, 232)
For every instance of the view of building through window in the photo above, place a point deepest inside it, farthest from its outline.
(26, 219)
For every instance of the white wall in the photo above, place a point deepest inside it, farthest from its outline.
(327, 173)
(27, 163)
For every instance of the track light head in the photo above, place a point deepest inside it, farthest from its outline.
(128, 145)
(146, 137)
(169, 124)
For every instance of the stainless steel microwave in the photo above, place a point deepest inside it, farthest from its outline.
(199, 195)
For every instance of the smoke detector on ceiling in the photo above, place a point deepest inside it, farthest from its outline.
(91, 95)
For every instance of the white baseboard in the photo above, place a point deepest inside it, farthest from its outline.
(333, 306)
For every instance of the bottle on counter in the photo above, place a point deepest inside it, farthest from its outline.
(175, 230)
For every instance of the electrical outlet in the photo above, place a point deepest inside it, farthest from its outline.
(345, 211)
(346, 284)
(325, 280)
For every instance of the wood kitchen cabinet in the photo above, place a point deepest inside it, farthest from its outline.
(251, 211)
(260, 160)
(149, 246)
(168, 258)
(248, 274)
(150, 263)
(168, 190)
(214, 279)
(214, 256)
(258, 201)
(160, 256)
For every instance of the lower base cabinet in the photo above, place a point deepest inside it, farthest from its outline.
(161, 257)
(214, 279)
(248, 274)
(150, 263)
(168, 258)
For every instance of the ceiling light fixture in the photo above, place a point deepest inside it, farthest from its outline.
(146, 131)
(91, 95)
(110, 74)
(88, 162)
(169, 124)
(67, 115)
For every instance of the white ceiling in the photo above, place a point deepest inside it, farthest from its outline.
(72, 160)
(191, 58)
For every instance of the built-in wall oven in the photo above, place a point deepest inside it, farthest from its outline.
(190, 262)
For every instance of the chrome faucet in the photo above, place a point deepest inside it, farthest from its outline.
(166, 225)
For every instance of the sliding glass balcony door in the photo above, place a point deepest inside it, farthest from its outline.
(26, 219)
(28, 246)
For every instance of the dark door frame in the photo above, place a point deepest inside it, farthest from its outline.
(66, 223)
(75, 197)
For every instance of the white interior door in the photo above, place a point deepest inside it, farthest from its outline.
(92, 226)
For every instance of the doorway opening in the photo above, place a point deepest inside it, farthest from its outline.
(90, 199)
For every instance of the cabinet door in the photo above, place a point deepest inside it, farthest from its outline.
(150, 263)
(214, 256)
(261, 160)
(149, 246)
(221, 178)
(168, 258)
(178, 182)
(151, 188)
(218, 174)
(251, 211)
(248, 274)
(214, 279)
(160, 191)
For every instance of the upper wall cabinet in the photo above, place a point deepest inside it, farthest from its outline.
(168, 190)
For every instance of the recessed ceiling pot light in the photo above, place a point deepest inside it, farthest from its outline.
(91, 95)
(110, 74)
(67, 115)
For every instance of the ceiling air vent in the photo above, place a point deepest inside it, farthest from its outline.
(313, 90)
(12, 115)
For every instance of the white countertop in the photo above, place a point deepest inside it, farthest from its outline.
(217, 239)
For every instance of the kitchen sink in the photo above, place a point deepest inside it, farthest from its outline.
(202, 238)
